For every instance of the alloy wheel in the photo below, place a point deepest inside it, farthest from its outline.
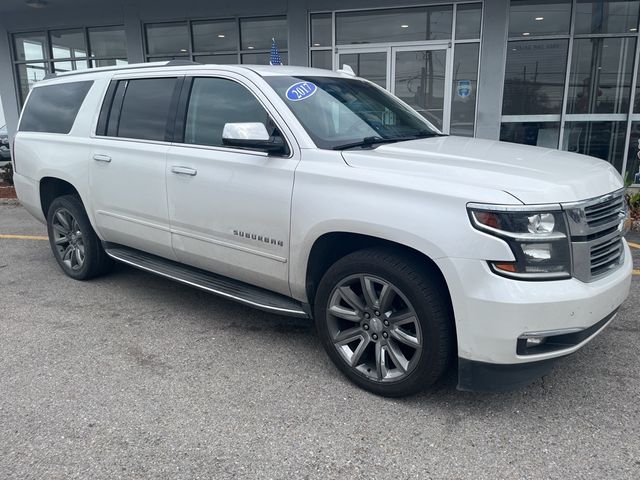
(68, 239)
(374, 327)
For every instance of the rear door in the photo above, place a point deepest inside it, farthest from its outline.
(230, 207)
(127, 172)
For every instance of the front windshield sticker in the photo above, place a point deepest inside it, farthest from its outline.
(300, 91)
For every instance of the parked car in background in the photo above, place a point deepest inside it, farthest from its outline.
(5, 151)
(320, 195)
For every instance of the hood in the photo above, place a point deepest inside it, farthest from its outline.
(531, 174)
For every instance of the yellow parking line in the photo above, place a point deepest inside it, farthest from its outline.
(633, 245)
(24, 237)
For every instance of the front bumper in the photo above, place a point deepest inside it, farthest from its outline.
(476, 376)
(492, 312)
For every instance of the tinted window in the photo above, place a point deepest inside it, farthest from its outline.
(145, 108)
(53, 109)
(534, 77)
(216, 101)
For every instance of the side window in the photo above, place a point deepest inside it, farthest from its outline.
(145, 108)
(53, 109)
(216, 101)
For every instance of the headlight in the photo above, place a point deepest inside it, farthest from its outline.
(538, 239)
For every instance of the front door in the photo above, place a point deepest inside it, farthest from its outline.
(229, 208)
(419, 75)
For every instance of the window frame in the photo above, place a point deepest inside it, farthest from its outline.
(49, 61)
(111, 99)
(191, 53)
(183, 107)
(563, 117)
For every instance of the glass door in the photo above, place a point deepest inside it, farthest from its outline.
(369, 63)
(422, 78)
(419, 75)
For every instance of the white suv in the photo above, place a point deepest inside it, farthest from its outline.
(317, 194)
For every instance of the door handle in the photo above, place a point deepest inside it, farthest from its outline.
(98, 157)
(192, 172)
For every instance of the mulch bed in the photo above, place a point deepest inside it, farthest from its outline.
(7, 192)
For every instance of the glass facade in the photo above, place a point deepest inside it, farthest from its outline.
(222, 41)
(428, 56)
(38, 53)
(569, 78)
(571, 67)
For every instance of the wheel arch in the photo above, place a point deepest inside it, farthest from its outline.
(331, 246)
(52, 188)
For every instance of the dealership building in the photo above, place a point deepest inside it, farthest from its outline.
(553, 73)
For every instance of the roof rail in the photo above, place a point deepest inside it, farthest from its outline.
(170, 63)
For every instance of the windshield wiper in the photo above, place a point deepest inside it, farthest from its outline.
(370, 141)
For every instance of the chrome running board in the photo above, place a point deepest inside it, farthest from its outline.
(218, 285)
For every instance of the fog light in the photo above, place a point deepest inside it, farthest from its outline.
(535, 341)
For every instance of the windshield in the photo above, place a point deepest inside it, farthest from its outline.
(343, 112)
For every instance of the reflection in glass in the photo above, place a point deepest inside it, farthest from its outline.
(600, 78)
(606, 16)
(262, 58)
(29, 46)
(110, 63)
(28, 75)
(217, 59)
(633, 162)
(68, 43)
(321, 30)
(534, 77)
(167, 38)
(465, 87)
(398, 25)
(108, 42)
(372, 66)
(257, 32)
(539, 134)
(533, 17)
(420, 82)
(468, 18)
(215, 36)
(603, 140)
(322, 59)
(70, 65)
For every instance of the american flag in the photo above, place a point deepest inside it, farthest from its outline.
(275, 55)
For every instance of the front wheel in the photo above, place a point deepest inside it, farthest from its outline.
(385, 322)
(74, 243)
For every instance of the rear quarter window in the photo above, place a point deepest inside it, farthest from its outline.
(53, 108)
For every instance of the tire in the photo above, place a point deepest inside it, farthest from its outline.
(392, 340)
(74, 243)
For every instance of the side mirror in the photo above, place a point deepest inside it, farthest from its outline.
(252, 135)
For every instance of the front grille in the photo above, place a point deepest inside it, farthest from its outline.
(604, 213)
(596, 236)
(606, 256)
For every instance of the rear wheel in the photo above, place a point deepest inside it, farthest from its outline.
(385, 322)
(74, 243)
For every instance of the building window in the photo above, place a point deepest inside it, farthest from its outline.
(428, 56)
(569, 85)
(38, 53)
(217, 41)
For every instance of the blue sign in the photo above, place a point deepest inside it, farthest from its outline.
(300, 91)
(464, 88)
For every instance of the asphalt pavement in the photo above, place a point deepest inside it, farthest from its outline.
(134, 376)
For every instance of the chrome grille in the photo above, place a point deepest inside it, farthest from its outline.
(596, 236)
(605, 212)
